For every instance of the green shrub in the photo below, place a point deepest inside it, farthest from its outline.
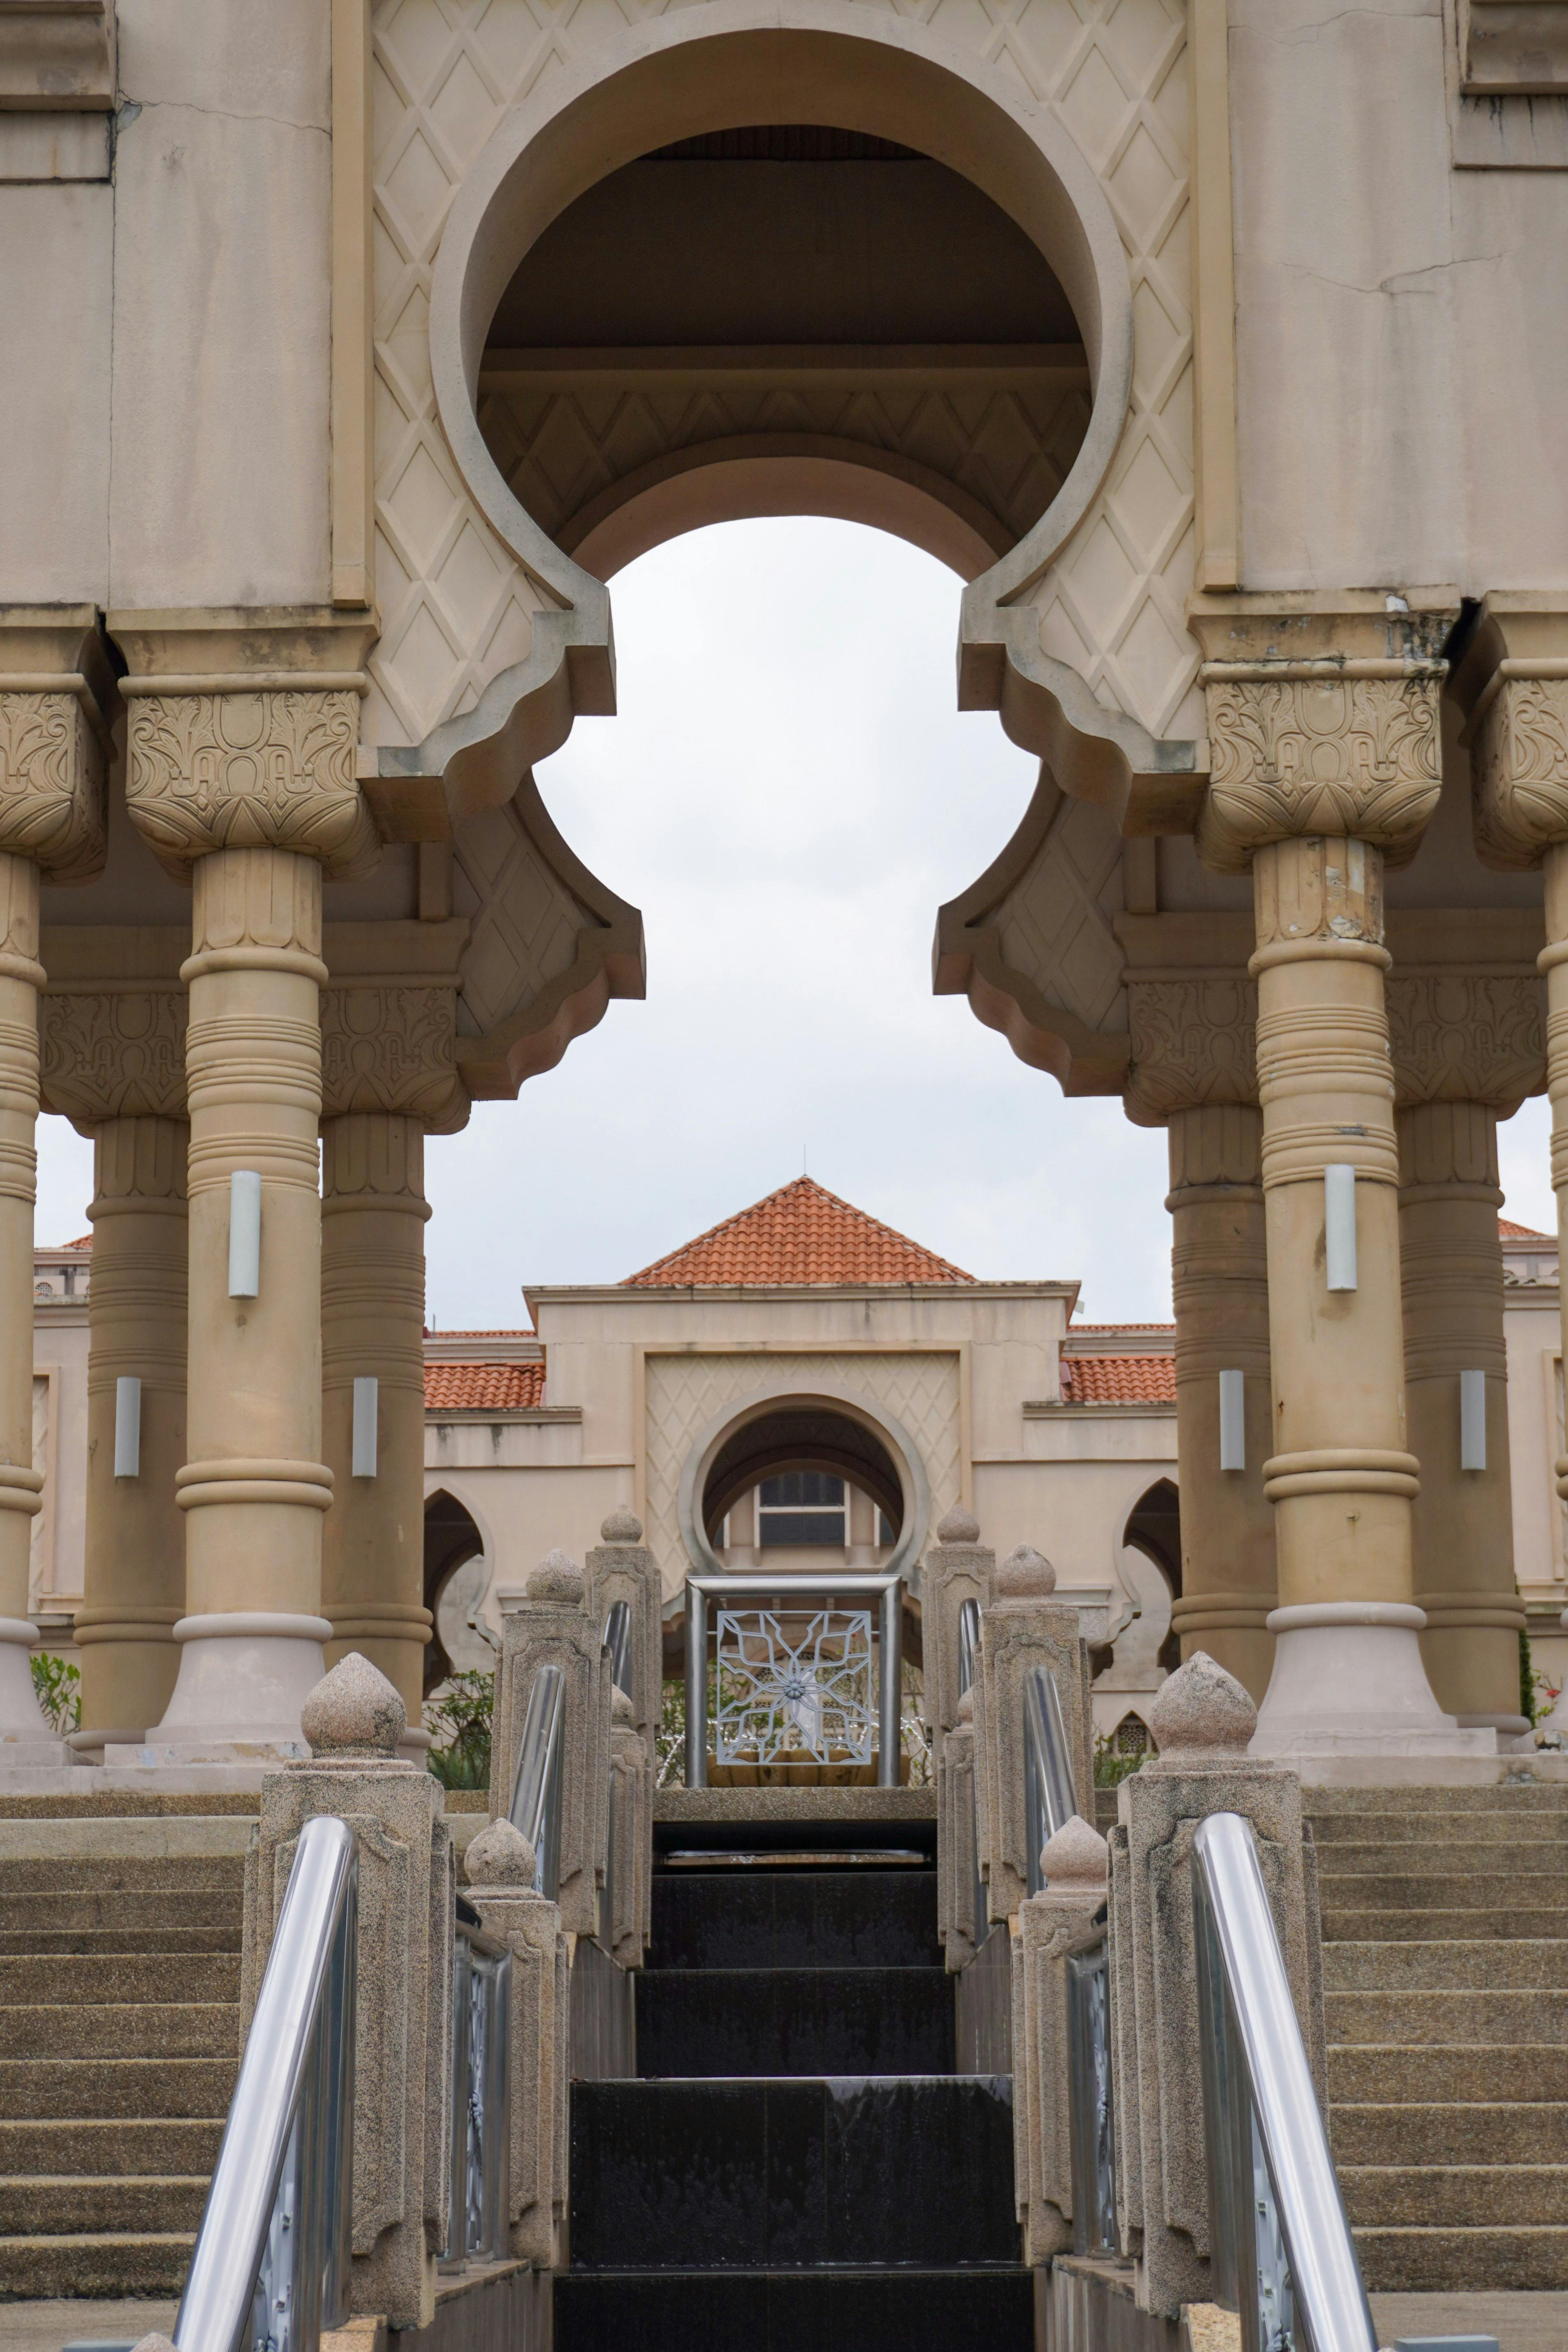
(57, 1685)
(460, 1722)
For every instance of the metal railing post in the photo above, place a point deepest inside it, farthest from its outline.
(696, 1684)
(891, 1695)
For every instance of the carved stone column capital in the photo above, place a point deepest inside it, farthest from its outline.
(56, 688)
(114, 1053)
(244, 734)
(1194, 1042)
(1518, 764)
(1466, 1036)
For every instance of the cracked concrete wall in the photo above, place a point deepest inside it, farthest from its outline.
(166, 360)
(1402, 333)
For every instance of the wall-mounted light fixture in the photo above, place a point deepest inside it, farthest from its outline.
(244, 1233)
(1472, 1421)
(1339, 1225)
(128, 1426)
(367, 1396)
(1233, 1420)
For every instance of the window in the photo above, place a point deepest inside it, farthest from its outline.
(802, 1506)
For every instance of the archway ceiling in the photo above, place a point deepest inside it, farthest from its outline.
(718, 302)
(789, 1439)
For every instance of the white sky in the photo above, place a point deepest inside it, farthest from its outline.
(788, 793)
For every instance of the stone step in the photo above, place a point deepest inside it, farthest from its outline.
(1347, 1923)
(126, 1913)
(1482, 2132)
(100, 2264)
(118, 1976)
(1476, 1861)
(1437, 2261)
(113, 2087)
(111, 1874)
(99, 1943)
(1454, 2195)
(1526, 1825)
(1427, 1797)
(873, 2311)
(1518, 1965)
(797, 2174)
(1439, 2071)
(1408, 2019)
(794, 1919)
(187, 2145)
(77, 2204)
(1431, 1891)
(120, 2030)
(751, 2021)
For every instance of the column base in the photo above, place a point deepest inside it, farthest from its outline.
(26, 1743)
(243, 1677)
(1348, 1681)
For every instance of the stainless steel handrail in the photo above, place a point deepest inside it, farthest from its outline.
(1091, 2108)
(271, 2260)
(535, 1807)
(758, 1585)
(1049, 1797)
(480, 2091)
(1264, 2133)
(618, 1642)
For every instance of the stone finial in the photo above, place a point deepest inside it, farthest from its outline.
(959, 1527)
(353, 1711)
(1200, 1710)
(1077, 1860)
(1026, 1575)
(154, 2343)
(621, 1707)
(622, 1526)
(559, 1579)
(499, 1856)
(966, 1709)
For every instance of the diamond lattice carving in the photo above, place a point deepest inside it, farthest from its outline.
(685, 1393)
(524, 922)
(456, 605)
(1055, 926)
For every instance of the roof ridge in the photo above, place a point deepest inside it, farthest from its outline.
(802, 1195)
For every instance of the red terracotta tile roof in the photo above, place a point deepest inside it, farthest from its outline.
(483, 1388)
(1512, 1232)
(524, 1331)
(58, 1249)
(798, 1235)
(1078, 1327)
(1118, 1380)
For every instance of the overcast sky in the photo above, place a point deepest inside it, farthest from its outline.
(789, 795)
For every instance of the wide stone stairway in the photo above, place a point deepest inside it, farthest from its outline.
(1446, 1986)
(798, 2162)
(118, 2024)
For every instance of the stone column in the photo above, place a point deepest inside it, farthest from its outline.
(1321, 765)
(243, 776)
(372, 1323)
(1194, 1068)
(134, 1581)
(1512, 684)
(53, 674)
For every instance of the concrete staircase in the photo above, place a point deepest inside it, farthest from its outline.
(119, 2026)
(1446, 1987)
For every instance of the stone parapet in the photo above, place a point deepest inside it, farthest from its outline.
(550, 1623)
(1023, 1631)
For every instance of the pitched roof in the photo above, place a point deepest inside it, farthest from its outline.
(1118, 1380)
(1512, 1233)
(483, 1388)
(800, 1234)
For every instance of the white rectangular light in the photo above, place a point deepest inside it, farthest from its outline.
(1472, 1421)
(128, 1426)
(366, 1395)
(1339, 1225)
(244, 1233)
(1233, 1420)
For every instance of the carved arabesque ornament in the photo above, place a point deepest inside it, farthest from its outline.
(1349, 749)
(1460, 1037)
(114, 1054)
(1194, 1042)
(268, 768)
(51, 784)
(392, 1047)
(1519, 767)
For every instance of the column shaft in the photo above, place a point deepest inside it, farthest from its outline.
(135, 1579)
(255, 1487)
(1451, 1269)
(372, 1326)
(1220, 1281)
(1554, 964)
(25, 1738)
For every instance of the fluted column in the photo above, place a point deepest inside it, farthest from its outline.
(1325, 751)
(1451, 1270)
(51, 816)
(373, 1324)
(134, 1582)
(1219, 1274)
